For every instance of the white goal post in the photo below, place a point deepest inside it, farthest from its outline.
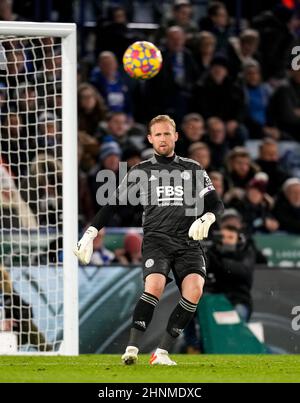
(38, 188)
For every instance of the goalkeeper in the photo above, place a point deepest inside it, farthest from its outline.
(171, 236)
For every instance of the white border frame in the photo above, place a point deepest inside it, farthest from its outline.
(67, 32)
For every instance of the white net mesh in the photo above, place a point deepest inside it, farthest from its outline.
(31, 280)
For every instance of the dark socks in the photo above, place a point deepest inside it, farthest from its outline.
(142, 317)
(180, 317)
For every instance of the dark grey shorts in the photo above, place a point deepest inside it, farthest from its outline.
(163, 253)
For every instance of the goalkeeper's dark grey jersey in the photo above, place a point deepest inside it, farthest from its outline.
(174, 191)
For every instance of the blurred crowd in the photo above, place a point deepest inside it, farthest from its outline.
(232, 93)
(228, 82)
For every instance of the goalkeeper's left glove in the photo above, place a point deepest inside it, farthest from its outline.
(200, 227)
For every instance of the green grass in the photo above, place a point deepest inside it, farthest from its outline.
(190, 368)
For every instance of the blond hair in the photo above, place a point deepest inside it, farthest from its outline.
(161, 118)
(203, 35)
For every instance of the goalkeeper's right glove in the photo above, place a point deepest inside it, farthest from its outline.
(84, 248)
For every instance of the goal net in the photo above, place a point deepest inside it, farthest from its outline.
(38, 192)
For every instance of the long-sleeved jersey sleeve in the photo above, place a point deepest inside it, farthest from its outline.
(119, 198)
(212, 201)
(213, 204)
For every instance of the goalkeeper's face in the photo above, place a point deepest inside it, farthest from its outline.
(163, 138)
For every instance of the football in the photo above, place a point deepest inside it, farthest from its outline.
(142, 60)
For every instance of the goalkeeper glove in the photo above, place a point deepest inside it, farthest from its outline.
(84, 247)
(199, 229)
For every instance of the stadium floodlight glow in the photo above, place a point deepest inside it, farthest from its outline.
(38, 188)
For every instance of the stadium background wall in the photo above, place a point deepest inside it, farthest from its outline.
(107, 297)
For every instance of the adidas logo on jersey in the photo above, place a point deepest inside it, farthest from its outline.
(152, 178)
(141, 324)
(178, 331)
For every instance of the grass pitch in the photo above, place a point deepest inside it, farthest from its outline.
(190, 368)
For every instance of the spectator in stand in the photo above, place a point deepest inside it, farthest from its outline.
(136, 129)
(201, 153)
(174, 83)
(216, 141)
(90, 146)
(182, 16)
(51, 74)
(131, 156)
(268, 161)
(240, 168)
(117, 126)
(179, 73)
(257, 95)
(170, 91)
(287, 206)
(91, 109)
(243, 49)
(204, 51)
(49, 135)
(27, 97)
(6, 12)
(233, 218)
(290, 159)
(44, 174)
(110, 156)
(218, 23)
(132, 251)
(101, 255)
(217, 179)
(230, 269)
(217, 95)
(276, 40)
(249, 43)
(193, 130)
(285, 105)
(113, 34)
(54, 100)
(137, 134)
(14, 145)
(15, 212)
(255, 208)
(15, 73)
(109, 82)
